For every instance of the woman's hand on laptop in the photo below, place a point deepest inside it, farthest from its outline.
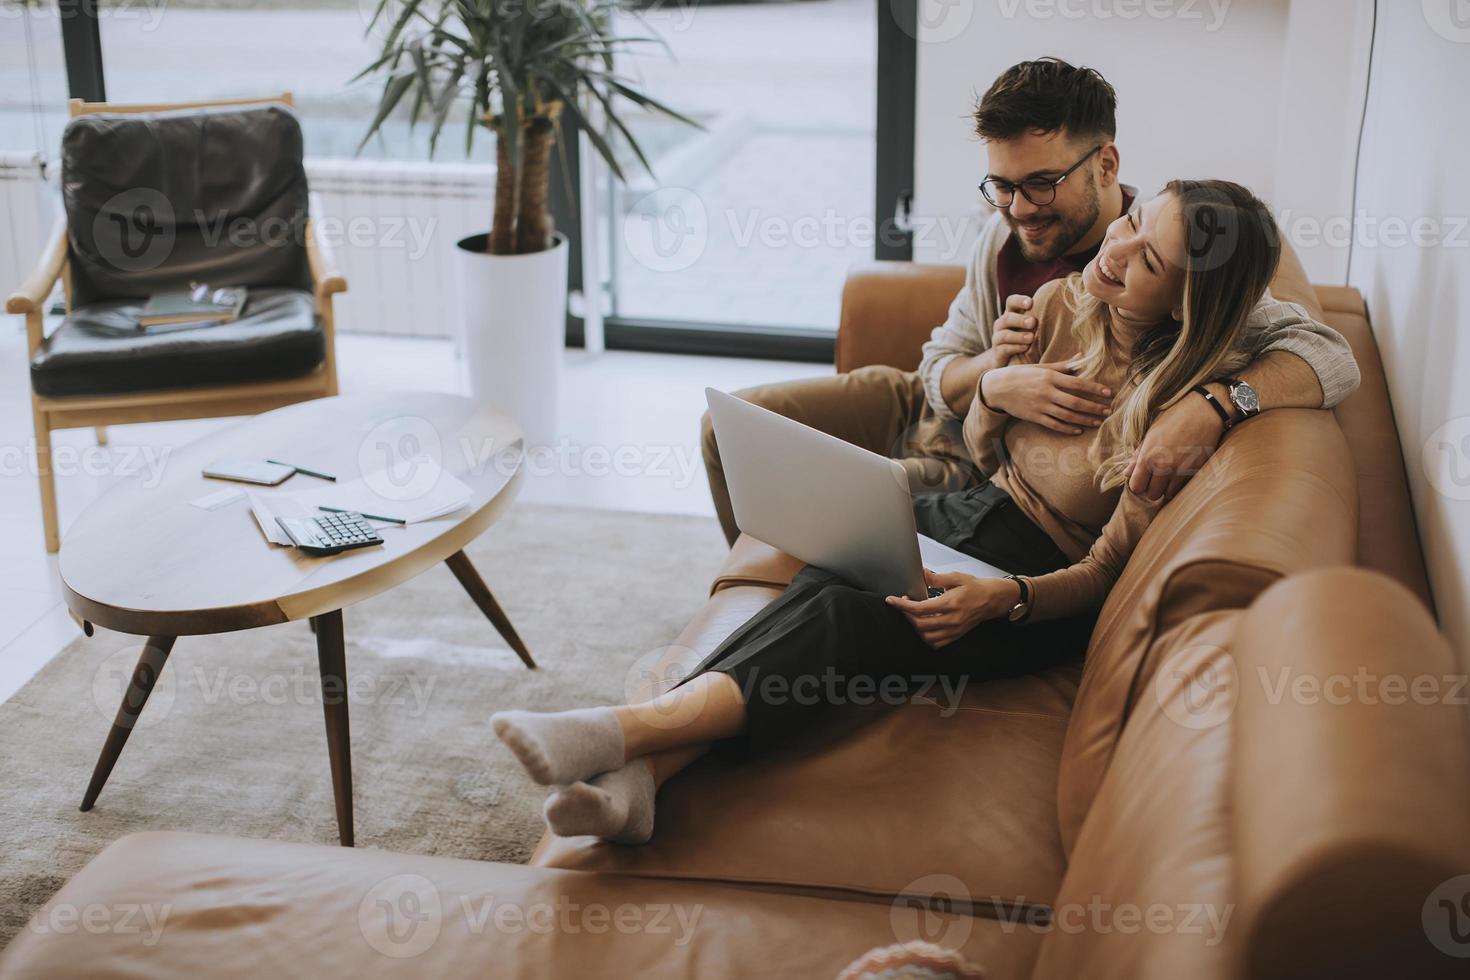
(966, 602)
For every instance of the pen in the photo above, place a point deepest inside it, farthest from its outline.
(371, 517)
(302, 469)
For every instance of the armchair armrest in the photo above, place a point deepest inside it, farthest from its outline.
(320, 259)
(30, 298)
(890, 308)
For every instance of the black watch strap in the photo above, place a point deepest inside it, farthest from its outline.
(1215, 404)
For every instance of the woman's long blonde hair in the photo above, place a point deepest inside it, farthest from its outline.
(1232, 249)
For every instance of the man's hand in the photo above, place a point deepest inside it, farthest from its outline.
(1182, 438)
(1013, 335)
(1047, 394)
(966, 601)
(1015, 330)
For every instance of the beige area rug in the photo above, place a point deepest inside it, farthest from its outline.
(232, 741)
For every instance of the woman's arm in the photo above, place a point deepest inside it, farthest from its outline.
(1083, 587)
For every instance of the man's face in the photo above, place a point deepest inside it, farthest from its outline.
(1047, 232)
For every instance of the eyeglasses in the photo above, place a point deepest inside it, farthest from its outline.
(1040, 191)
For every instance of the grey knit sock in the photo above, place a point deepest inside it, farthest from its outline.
(616, 806)
(562, 747)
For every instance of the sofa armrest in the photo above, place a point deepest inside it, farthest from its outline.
(1351, 780)
(753, 562)
(890, 308)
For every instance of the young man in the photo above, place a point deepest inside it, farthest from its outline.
(1053, 178)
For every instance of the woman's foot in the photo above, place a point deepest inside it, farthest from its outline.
(562, 747)
(616, 806)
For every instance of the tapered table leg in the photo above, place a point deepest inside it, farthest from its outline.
(459, 564)
(145, 675)
(332, 658)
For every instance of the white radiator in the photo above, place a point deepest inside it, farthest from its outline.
(393, 226)
(27, 209)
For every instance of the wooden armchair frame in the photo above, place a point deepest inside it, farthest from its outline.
(213, 401)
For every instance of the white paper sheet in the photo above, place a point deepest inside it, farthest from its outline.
(372, 494)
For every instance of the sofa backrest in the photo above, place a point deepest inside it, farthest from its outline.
(1278, 497)
(157, 200)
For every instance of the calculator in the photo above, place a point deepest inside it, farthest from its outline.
(329, 534)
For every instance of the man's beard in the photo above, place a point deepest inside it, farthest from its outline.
(1069, 230)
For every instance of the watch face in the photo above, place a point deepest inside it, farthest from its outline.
(1245, 398)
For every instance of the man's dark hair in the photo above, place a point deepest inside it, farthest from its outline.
(1045, 96)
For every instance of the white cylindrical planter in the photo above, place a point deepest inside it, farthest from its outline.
(515, 322)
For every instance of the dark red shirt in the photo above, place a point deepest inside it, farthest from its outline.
(1014, 275)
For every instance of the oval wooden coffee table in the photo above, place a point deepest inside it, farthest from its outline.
(142, 559)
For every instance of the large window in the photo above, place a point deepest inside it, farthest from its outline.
(218, 49)
(743, 233)
(32, 77)
(756, 219)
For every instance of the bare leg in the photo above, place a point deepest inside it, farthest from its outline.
(705, 710)
(666, 764)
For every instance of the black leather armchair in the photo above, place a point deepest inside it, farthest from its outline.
(157, 197)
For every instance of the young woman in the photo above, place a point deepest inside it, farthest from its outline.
(1160, 311)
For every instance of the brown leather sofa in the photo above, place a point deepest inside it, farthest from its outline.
(1232, 784)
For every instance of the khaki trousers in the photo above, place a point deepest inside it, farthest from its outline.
(879, 408)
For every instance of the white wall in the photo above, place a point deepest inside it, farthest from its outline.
(1324, 64)
(1198, 90)
(1413, 175)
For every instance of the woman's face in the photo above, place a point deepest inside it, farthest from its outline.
(1139, 269)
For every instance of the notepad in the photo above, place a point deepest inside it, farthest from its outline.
(365, 495)
(197, 305)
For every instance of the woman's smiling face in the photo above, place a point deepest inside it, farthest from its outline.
(1139, 268)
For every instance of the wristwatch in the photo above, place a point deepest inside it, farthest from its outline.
(1022, 608)
(1243, 397)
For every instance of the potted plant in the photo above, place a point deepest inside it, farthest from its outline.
(520, 67)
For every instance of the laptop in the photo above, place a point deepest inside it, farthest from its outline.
(827, 502)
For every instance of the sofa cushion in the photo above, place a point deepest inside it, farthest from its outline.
(99, 350)
(248, 908)
(155, 200)
(878, 803)
(1277, 497)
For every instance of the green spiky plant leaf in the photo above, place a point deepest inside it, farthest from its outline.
(517, 65)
